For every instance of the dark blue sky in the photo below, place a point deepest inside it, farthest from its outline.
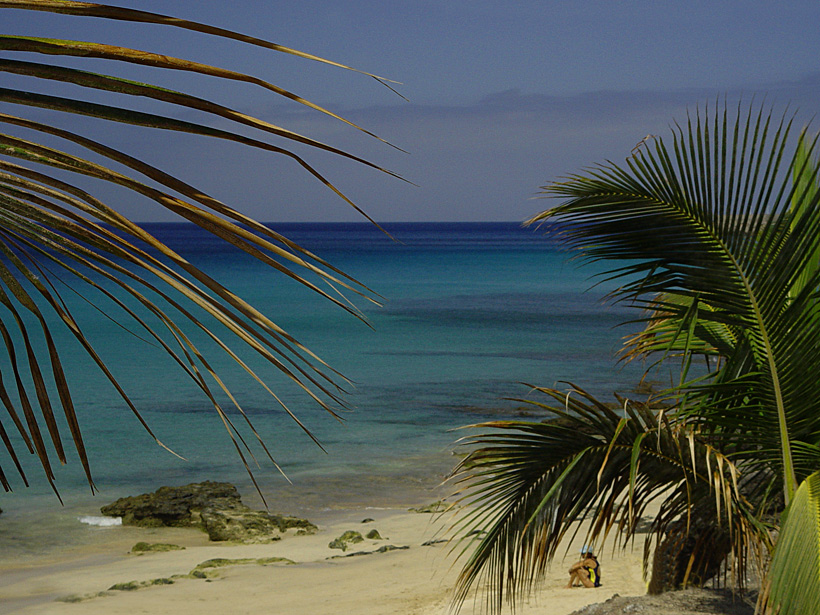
(504, 97)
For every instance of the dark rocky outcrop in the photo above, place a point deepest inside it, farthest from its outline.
(694, 601)
(214, 507)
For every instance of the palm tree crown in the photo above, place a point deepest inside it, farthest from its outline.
(715, 236)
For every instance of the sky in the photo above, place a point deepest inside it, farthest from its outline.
(501, 97)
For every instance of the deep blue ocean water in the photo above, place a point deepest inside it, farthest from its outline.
(470, 312)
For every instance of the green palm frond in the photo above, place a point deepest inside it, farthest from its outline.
(688, 336)
(711, 218)
(527, 485)
(794, 581)
(715, 234)
(55, 229)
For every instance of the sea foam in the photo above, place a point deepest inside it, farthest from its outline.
(100, 521)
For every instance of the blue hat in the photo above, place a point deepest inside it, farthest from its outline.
(586, 549)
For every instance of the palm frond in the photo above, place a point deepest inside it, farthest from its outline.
(794, 581)
(715, 218)
(526, 486)
(56, 231)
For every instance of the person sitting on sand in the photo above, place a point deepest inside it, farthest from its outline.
(586, 572)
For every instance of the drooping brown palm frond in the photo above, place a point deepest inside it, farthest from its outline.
(528, 485)
(53, 226)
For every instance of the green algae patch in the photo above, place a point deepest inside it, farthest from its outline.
(349, 537)
(127, 587)
(204, 569)
(435, 507)
(130, 586)
(162, 581)
(155, 547)
(384, 549)
(75, 598)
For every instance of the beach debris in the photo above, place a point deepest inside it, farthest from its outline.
(374, 535)
(214, 507)
(368, 520)
(349, 537)
(435, 507)
(154, 547)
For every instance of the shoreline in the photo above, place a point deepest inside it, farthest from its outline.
(414, 578)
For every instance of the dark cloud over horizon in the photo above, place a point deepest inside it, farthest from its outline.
(504, 98)
(483, 161)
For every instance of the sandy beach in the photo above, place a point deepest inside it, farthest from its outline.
(415, 578)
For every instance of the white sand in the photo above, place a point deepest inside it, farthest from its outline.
(415, 581)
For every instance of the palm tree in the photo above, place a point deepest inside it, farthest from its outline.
(529, 484)
(718, 245)
(53, 226)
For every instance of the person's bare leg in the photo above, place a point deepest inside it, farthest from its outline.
(582, 577)
(579, 577)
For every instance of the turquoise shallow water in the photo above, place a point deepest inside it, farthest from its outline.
(470, 312)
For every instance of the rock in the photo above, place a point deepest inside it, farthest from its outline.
(126, 587)
(434, 541)
(145, 547)
(384, 549)
(131, 586)
(349, 537)
(285, 523)
(74, 598)
(387, 548)
(174, 506)
(374, 535)
(239, 525)
(216, 508)
(337, 544)
(438, 506)
(695, 601)
(368, 520)
(202, 570)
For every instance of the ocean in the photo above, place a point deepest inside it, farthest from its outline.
(472, 314)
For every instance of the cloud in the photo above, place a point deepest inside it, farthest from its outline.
(483, 161)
